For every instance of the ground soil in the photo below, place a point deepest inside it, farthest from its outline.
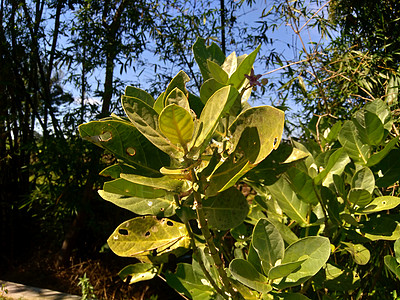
(40, 271)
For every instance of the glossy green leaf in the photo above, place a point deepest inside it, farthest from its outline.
(337, 279)
(227, 174)
(336, 163)
(135, 92)
(226, 210)
(369, 127)
(145, 119)
(284, 270)
(138, 198)
(115, 171)
(142, 234)
(380, 109)
(230, 64)
(237, 78)
(159, 104)
(364, 179)
(388, 169)
(208, 88)
(287, 234)
(377, 157)
(138, 272)
(360, 254)
(291, 205)
(190, 281)
(212, 112)
(268, 124)
(396, 247)
(217, 72)
(392, 265)
(176, 96)
(179, 81)
(303, 185)
(359, 197)
(352, 143)
(392, 90)
(125, 142)
(268, 243)
(164, 182)
(315, 250)
(380, 227)
(245, 273)
(176, 124)
(202, 53)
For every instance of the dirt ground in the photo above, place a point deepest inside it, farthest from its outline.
(40, 271)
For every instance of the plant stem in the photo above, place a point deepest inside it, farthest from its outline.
(197, 254)
(210, 243)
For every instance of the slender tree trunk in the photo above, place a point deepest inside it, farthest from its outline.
(223, 42)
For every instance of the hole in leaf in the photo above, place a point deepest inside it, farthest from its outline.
(131, 151)
(169, 223)
(123, 232)
(275, 141)
(162, 209)
(147, 234)
(105, 136)
(384, 202)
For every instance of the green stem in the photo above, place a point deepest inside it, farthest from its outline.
(210, 244)
(197, 254)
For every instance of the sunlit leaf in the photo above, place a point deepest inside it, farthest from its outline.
(142, 234)
(351, 141)
(360, 254)
(176, 124)
(138, 272)
(245, 273)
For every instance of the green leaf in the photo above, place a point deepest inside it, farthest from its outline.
(217, 72)
(364, 179)
(388, 169)
(176, 124)
(179, 81)
(268, 124)
(164, 182)
(359, 253)
(336, 163)
(245, 273)
(392, 90)
(226, 210)
(127, 143)
(145, 119)
(237, 78)
(138, 272)
(208, 88)
(159, 104)
(134, 92)
(337, 279)
(397, 250)
(369, 127)
(380, 227)
(380, 109)
(315, 250)
(359, 197)
(176, 96)
(287, 234)
(291, 205)
(115, 171)
(268, 243)
(352, 143)
(230, 64)
(191, 282)
(140, 235)
(392, 265)
(138, 198)
(202, 53)
(302, 185)
(284, 270)
(218, 103)
(377, 157)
